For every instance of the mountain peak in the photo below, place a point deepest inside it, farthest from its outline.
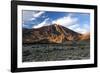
(54, 33)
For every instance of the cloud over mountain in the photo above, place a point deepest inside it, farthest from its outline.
(66, 20)
(44, 23)
(74, 21)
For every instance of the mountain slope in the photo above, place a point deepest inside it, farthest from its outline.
(85, 37)
(49, 34)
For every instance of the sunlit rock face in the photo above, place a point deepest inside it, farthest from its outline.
(54, 33)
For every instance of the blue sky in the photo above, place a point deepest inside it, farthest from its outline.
(79, 22)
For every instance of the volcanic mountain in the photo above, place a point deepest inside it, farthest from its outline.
(50, 34)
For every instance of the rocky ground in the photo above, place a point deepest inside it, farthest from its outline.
(55, 52)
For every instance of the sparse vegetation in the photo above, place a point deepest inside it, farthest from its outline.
(53, 52)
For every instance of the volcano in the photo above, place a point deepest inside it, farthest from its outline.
(49, 34)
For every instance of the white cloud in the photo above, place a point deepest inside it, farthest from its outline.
(66, 20)
(72, 23)
(86, 26)
(31, 15)
(85, 29)
(33, 18)
(44, 23)
(25, 26)
(74, 26)
(36, 15)
(80, 29)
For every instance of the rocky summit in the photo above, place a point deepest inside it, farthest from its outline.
(51, 34)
